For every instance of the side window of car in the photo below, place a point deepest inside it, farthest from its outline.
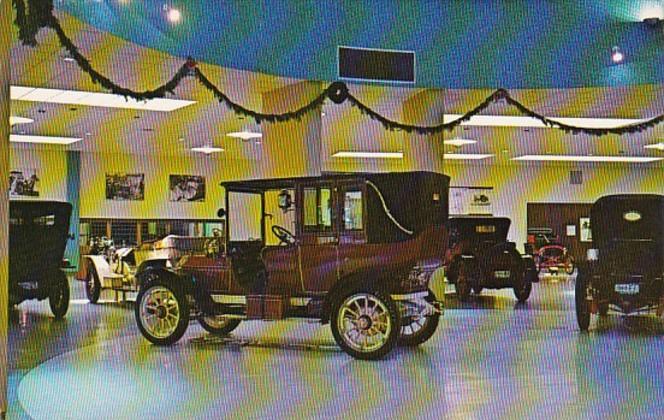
(353, 210)
(317, 207)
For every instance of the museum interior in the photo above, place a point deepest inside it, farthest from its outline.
(305, 209)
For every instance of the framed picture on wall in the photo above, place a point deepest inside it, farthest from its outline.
(125, 187)
(186, 188)
(23, 182)
(586, 233)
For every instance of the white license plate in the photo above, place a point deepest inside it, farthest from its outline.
(503, 274)
(627, 289)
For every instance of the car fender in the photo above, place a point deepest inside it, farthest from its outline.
(530, 268)
(152, 263)
(164, 273)
(102, 267)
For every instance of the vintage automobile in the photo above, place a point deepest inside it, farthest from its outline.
(354, 250)
(479, 257)
(38, 234)
(108, 268)
(625, 267)
(554, 258)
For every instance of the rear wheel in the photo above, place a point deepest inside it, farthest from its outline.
(218, 325)
(162, 312)
(463, 281)
(522, 289)
(477, 289)
(92, 284)
(58, 296)
(421, 329)
(582, 303)
(365, 323)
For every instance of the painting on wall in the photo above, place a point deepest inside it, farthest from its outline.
(586, 233)
(186, 188)
(23, 182)
(471, 200)
(125, 187)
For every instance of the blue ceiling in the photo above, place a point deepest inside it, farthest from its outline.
(458, 44)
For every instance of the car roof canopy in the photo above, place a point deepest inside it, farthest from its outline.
(627, 217)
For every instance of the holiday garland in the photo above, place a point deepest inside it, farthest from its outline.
(40, 15)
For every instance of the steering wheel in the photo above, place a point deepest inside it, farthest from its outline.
(284, 236)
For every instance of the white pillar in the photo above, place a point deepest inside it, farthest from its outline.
(5, 42)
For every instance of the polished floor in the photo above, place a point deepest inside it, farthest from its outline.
(489, 359)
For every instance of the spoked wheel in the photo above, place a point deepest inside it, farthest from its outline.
(365, 324)
(582, 303)
(463, 282)
(162, 312)
(218, 325)
(58, 296)
(522, 289)
(420, 329)
(92, 284)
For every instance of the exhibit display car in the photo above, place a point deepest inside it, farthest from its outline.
(108, 268)
(625, 267)
(38, 234)
(357, 251)
(479, 256)
(554, 258)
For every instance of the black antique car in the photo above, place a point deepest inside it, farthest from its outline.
(38, 233)
(625, 267)
(479, 256)
(356, 251)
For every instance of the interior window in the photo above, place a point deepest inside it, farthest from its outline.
(318, 208)
(353, 210)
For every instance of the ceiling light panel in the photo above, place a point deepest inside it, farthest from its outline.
(245, 135)
(465, 156)
(106, 100)
(16, 138)
(207, 149)
(369, 155)
(656, 146)
(459, 142)
(572, 158)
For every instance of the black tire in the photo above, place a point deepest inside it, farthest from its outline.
(477, 289)
(603, 309)
(58, 294)
(582, 303)
(220, 328)
(425, 332)
(92, 284)
(522, 289)
(149, 305)
(392, 322)
(463, 281)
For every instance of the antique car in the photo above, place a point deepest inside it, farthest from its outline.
(479, 256)
(625, 267)
(38, 234)
(356, 251)
(554, 258)
(108, 268)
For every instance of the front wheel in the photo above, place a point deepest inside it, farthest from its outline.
(218, 325)
(92, 284)
(420, 329)
(463, 282)
(162, 312)
(582, 303)
(522, 289)
(58, 296)
(365, 323)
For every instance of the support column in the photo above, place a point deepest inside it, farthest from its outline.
(423, 152)
(73, 197)
(5, 42)
(291, 148)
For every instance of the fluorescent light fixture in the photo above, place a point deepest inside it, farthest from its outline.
(245, 135)
(16, 138)
(652, 11)
(19, 120)
(459, 142)
(572, 158)
(369, 155)
(657, 146)
(107, 100)
(207, 149)
(508, 121)
(465, 156)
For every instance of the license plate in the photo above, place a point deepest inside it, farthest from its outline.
(627, 289)
(504, 274)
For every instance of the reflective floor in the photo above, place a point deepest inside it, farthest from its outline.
(489, 359)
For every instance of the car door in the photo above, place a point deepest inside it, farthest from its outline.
(318, 236)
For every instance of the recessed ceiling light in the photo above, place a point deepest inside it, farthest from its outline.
(20, 120)
(15, 138)
(617, 56)
(509, 121)
(245, 135)
(572, 158)
(369, 155)
(657, 146)
(173, 15)
(108, 100)
(459, 142)
(88, 134)
(207, 149)
(466, 156)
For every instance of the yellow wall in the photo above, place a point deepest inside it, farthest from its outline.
(51, 167)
